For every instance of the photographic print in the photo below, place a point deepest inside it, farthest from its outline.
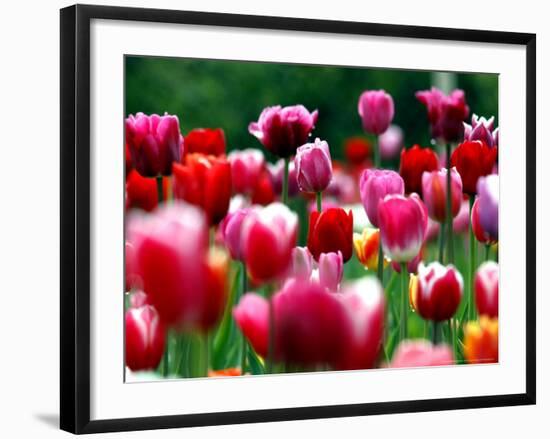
(285, 218)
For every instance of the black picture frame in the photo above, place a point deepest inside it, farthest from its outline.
(75, 217)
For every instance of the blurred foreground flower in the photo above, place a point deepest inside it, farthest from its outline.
(481, 341)
(486, 289)
(330, 231)
(208, 141)
(231, 230)
(421, 353)
(414, 162)
(145, 336)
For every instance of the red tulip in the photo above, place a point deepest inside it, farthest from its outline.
(473, 159)
(208, 141)
(217, 267)
(204, 181)
(268, 237)
(154, 142)
(127, 159)
(434, 193)
(421, 353)
(330, 231)
(252, 317)
(357, 150)
(247, 167)
(263, 193)
(141, 192)
(145, 335)
(414, 162)
(486, 289)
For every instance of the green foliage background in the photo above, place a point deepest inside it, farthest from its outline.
(231, 94)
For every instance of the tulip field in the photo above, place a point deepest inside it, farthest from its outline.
(308, 238)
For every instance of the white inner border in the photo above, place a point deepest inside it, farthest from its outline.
(112, 398)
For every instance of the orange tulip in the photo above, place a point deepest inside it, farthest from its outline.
(481, 341)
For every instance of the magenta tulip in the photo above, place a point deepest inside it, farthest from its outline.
(488, 188)
(434, 193)
(376, 110)
(155, 142)
(403, 224)
(331, 270)
(247, 166)
(283, 130)
(486, 289)
(481, 129)
(313, 166)
(231, 230)
(145, 335)
(374, 185)
(391, 142)
(421, 353)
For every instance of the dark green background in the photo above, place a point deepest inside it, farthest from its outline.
(230, 94)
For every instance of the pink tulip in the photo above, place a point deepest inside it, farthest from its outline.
(421, 353)
(231, 229)
(331, 270)
(252, 318)
(403, 224)
(376, 111)
(145, 335)
(247, 166)
(374, 185)
(479, 232)
(302, 263)
(488, 190)
(433, 230)
(391, 142)
(486, 289)
(313, 166)
(434, 193)
(439, 291)
(462, 221)
(482, 129)
(343, 187)
(283, 130)
(276, 173)
(154, 143)
(268, 237)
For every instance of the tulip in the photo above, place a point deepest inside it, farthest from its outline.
(390, 142)
(217, 268)
(486, 289)
(204, 181)
(482, 129)
(252, 317)
(403, 225)
(145, 335)
(127, 160)
(421, 353)
(374, 185)
(330, 231)
(247, 167)
(376, 110)
(357, 150)
(276, 172)
(283, 130)
(268, 237)
(343, 187)
(138, 299)
(434, 192)
(302, 263)
(229, 372)
(438, 291)
(445, 113)
(154, 142)
(481, 341)
(414, 162)
(331, 270)
(263, 193)
(473, 159)
(141, 192)
(313, 166)
(487, 188)
(479, 232)
(208, 141)
(366, 246)
(412, 265)
(462, 220)
(132, 281)
(231, 230)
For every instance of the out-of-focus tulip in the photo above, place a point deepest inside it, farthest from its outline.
(231, 229)
(481, 341)
(217, 267)
(268, 237)
(487, 188)
(343, 187)
(481, 129)
(445, 113)
(366, 247)
(141, 192)
(154, 142)
(486, 289)
(376, 110)
(433, 229)
(247, 167)
(229, 372)
(438, 292)
(252, 318)
(138, 299)
(414, 162)
(403, 225)
(127, 159)
(390, 142)
(276, 172)
(434, 193)
(313, 166)
(421, 353)
(263, 193)
(208, 141)
(374, 185)
(331, 270)
(204, 181)
(145, 335)
(283, 129)
(479, 232)
(473, 159)
(330, 231)
(302, 263)
(357, 150)
(462, 220)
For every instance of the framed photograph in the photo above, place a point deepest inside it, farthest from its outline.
(267, 219)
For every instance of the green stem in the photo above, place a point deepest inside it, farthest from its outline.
(471, 307)
(449, 215)
(380, 271)
(285, 181)
(165, 356)
(206, 354)
(435, 333)
(160, 195)
(319, 197)
(404, 301)
(376, 152)
(243, 338)
(453, 336)
(487, 252)
(442, 230)
(271, 343)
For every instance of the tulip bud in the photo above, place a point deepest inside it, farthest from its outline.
(302, 263)
(376, 110)
(487, 187)
(247, 167)
(414, 162)
(473, 159)
(145, 335)
(486, 289)
(390, 142)
(313, 166)
(208, 141)
(481, 341)
(366, 248)
(231, 229)
(434, 193)
(481, 129)
(331, 270)
(374, 185)
(421, 353)
(330, 231)
(403, 225)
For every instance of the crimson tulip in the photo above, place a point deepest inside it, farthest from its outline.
(374, 185)
(247, 167)
(414, 162)
(145, 335)
(421, 353)
(141, 192)
(208, 141)
(486, 289)
(473, 159)
(376, 110)
(330, 231)
(434, 193)
(263, 193)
